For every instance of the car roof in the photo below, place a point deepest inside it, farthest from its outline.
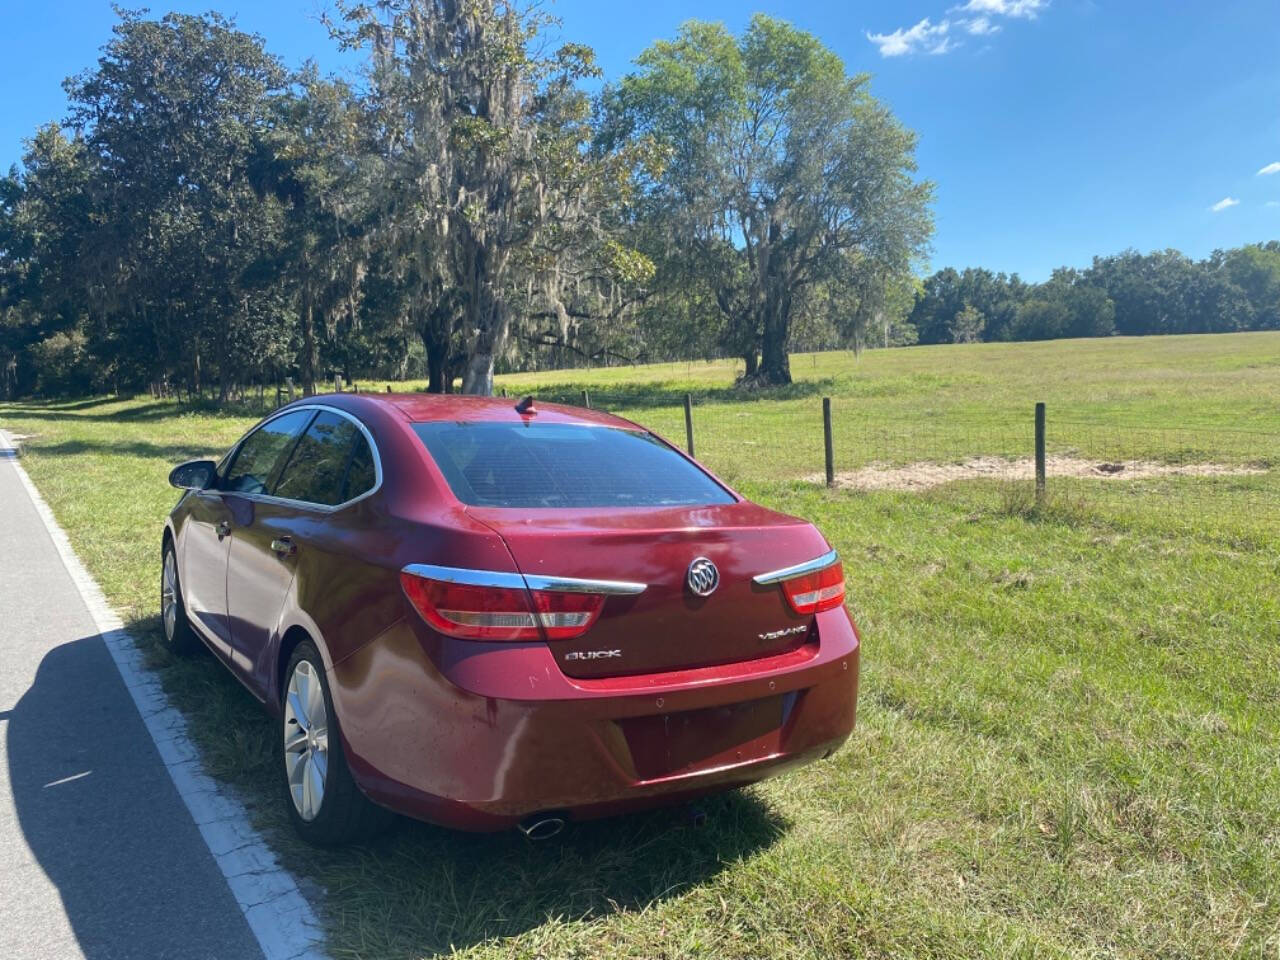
(426, 407)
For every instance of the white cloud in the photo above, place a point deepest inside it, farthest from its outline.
(1272, 203)
(1223, 204)
(935, 38)
(1269, 169)
(980, 26)
(1005, 8)
(924, 37)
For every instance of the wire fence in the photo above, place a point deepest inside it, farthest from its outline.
(1217, 478)
(1220, 478)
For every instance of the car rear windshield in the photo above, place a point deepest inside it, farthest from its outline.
(564, 465)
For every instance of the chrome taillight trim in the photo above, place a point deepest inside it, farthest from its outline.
(467, 577)
(798, 569)
(623, 588)
(498, 578)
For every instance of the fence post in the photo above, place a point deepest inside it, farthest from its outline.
(337, 383)
(826, 434)
(1040, 453)
(289, 381)
(586, 399)
(688, 422)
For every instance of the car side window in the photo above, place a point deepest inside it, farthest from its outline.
(254, 465)
(361, 472)
(317, 469)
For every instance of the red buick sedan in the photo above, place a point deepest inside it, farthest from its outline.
(486, 614)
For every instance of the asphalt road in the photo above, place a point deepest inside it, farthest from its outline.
(99, 856)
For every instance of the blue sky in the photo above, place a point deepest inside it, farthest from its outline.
(1053, 130)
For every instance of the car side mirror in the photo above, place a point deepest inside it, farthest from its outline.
(194, 475)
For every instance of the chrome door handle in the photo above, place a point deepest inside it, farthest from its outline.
(223, 529)
(284, 546)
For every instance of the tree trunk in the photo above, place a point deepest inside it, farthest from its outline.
(437, 365)
(752, 359)
(477, 378)
(775, 364)
(308, 349)
(492, 326)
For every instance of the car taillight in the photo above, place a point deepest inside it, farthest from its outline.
(815, 592)
(500, 613)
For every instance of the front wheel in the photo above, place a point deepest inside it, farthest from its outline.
(324, 803)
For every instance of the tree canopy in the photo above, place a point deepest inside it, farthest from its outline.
(784, 179)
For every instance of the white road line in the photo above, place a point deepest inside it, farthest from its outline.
(279, 916)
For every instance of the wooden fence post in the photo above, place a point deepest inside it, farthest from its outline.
(337, 383)
(586, 399)
(289, 382)
(1040, 458)
(826, 433)
(688, 422)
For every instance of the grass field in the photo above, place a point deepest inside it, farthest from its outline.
(1068, 731)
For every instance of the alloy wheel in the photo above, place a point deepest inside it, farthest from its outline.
(306, 740)
(169, 595)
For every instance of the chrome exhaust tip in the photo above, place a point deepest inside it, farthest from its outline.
(540, 827)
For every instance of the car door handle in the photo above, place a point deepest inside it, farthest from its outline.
(223, 529)
(284, 546)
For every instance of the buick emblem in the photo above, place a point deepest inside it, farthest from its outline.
(703, 577)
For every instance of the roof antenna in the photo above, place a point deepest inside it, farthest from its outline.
(526, 408)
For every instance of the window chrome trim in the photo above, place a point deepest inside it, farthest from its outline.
(498, 578)
(307, 504)
(798, 569)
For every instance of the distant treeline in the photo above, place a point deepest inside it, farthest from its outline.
(1130, 293)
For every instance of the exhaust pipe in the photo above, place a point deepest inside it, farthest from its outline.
(541, 827)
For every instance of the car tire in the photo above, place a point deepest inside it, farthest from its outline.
(319, 793)
(176, 632)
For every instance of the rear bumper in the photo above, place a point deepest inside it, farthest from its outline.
(480, 736)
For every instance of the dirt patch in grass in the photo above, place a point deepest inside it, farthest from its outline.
(923, 475)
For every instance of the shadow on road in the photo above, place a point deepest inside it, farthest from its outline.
(101, 816)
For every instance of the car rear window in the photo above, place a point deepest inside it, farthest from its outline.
(564, 465)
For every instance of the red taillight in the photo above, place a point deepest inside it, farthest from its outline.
(815, 592)
(566, 615)
(500, 613)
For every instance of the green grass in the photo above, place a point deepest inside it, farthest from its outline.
(1068, 725)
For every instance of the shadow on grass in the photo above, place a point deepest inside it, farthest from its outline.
(450, 890)
(421, 890)
(143, 413)
(171, 453)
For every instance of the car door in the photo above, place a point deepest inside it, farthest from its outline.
(227, 512)
(293, 515)
(206, 539)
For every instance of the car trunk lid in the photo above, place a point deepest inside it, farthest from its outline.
(667, 626)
